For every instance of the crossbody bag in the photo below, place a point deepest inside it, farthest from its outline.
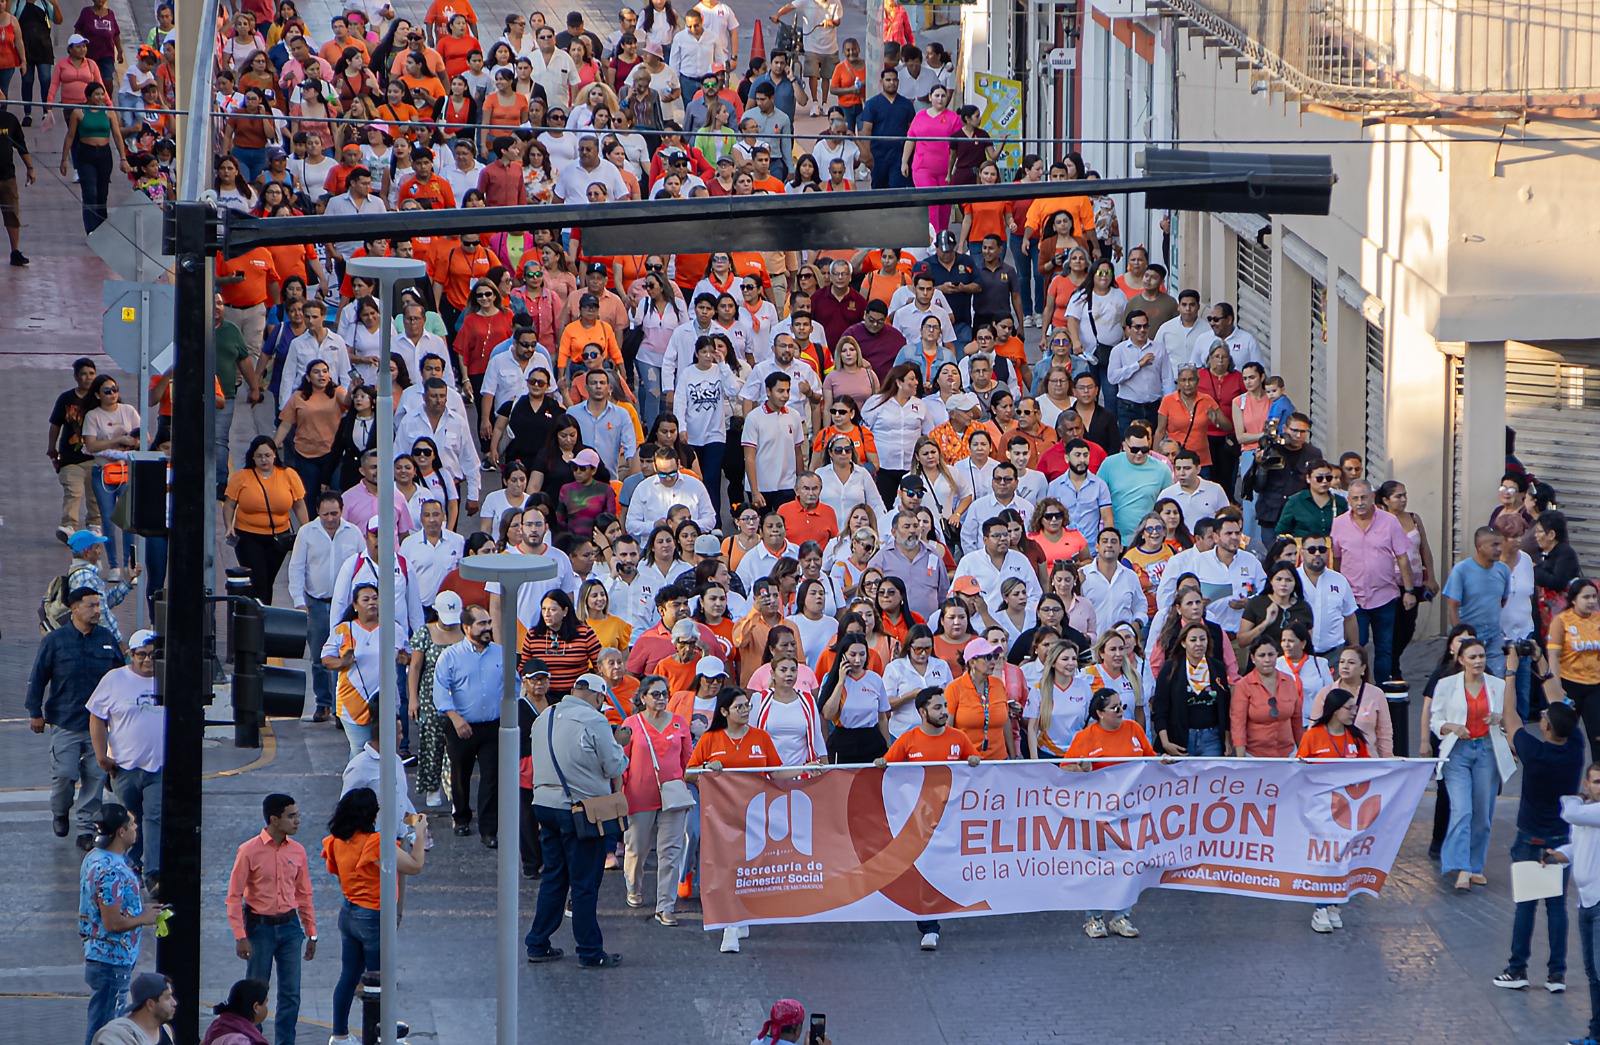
(603, 816)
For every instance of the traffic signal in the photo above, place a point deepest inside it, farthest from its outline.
(260, 689)
(148, 493)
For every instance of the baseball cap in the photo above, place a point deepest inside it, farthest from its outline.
(711, 667)
(946, 240)
(913, 484)
(448, 607)
(142, 638)
(534, 666)
(707, 544)
(962, 401)
(595, 266)
(652, 48)
(674, 156)
(588, 301)
(275, 152)
(586, 458)
(685, 629)
(75, 39)
(145, 986)
(966, 586)
(372, 524)
(590, 681)
(980, 648)
(83, 540)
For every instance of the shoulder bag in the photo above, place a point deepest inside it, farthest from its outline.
(949, 530)
(675, 794)
(600, 817)
(284, 540)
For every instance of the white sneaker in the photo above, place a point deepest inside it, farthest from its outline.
(1320, 922)
(1334, 919)
(1095, 929)
(730, 940)
(744, 932)
(115, 576)
(1123, 927)
(930, 941)
(341, 1039)
(75, 181)
(434, 800)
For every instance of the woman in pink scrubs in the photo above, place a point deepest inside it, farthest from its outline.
(927, 163)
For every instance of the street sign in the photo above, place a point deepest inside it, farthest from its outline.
(137, 314)
(130, 242)
(1062, 60)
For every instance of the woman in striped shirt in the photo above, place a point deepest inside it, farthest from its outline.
(567, 645)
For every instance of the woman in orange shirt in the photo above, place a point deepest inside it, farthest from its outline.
(263, 504)
(456, 44)
(1333, 735)
(983, 219)
(1265, 709)
(978, 703)
(1107, 734)
(350, 852)
(952, 633)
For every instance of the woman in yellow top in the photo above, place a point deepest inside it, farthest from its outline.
(610, 629)
(352, 651)
(263, 508)
(1574, 647)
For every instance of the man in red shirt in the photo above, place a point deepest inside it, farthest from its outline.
(838, 306)
(248, 284)
(806, 517)
(501, 181)
(1069, 426)
(432, 191)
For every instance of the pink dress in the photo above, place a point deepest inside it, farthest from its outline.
(930, 160)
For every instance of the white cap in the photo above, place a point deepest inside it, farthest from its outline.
(594, 682)
(710, 667)
(142, 638)
(447, 605)
(76, 39)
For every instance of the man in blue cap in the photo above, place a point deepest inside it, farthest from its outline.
(85, 573)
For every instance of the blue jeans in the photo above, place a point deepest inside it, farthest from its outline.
(251, 161)
(358, 937)
(1472, 781)
(711, 455)
(139, 790)
(1527, 847)
(356, 733)
(1380, 622)
(1205, 742)
(1113, 915)
(224, 426)
(1588, 933)
(1128, 412)
(1032, 285)
(1524, 682)
(571, 863)
(106, 497)
(649, 389)
(283, 945)
(317, 628)
(72, 762)
(40, 71)
(927, 927)
(155, 570)
(108, 993)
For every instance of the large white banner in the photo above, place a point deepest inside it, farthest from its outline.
(939, 841)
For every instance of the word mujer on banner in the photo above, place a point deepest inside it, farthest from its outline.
(951, 840)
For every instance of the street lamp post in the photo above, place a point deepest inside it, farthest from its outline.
(387, 274)
(511, 571)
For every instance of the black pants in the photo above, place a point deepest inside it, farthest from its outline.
(777, 498)
(888, 480)
(1586, 701)
(1441, 805)
(259, 553)
(856, 746)
(483, 748)
(528, 834)
(1224, 462)
(733, 462)
(1405, 627)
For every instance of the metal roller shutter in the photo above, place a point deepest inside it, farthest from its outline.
(1321, 379)
(1375, 449)
(1253, 300)
(1553, 403)
(1458, 471)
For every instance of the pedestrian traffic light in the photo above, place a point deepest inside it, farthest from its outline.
(260, 689)
(148, 493)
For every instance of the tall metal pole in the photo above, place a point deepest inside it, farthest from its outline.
(511, 571)
(387, 274)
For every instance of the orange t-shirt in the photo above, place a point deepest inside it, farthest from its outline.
(457, 268)
(826, 658)
(967, 713)
(435, 189)
(290, 259)
(1129, 741)
(752, 751)
(950, 652)
(845, 75)
(688, 270)
(454, 51)
(819, 524)
(1079, 207)
(880, 286)
(441, 11)
(915, 745)
(355, 864)
(259, 270)
(575, 337)
(987, 218)
(1319, 743)
(430, 84)
(679, 675)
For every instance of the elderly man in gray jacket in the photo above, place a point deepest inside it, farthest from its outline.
(576, 755)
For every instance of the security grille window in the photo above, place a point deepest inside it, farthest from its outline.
(1321, 377)
(1375, 450)
(1459, 509)
(1551, 402)
(1254, 299)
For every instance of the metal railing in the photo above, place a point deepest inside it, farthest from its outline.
(1403, 54)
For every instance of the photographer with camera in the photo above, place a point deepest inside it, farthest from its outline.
(1279, 472)
(786, 1021)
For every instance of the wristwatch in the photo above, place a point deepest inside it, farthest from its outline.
(312, 938)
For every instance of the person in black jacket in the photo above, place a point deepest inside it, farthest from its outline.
(358, 433)
(1280, 472)
(533, 702)
(1559, 567)
(1189, 707)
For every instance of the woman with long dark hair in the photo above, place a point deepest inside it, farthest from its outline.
(351, 852)
(263, 508)
(854, 700)
(314, 412)
(561, 638)
(1466, 708)
(898, 418)
(1334, 735)
(1189, 709)
(239, 1019)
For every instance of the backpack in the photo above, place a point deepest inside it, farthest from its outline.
(788, 37)
(53, 609)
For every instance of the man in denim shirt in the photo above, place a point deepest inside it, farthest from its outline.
(71, 660)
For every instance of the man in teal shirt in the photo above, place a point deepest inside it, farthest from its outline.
(1134, 479)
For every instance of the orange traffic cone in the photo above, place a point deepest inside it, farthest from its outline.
(758, 43)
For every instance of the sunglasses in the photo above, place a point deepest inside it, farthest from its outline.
(839, 410)
(107, 391)
(1136, 449)
(1214, 319)
(1315, 549)
(1272, 706)
(589, 357)
(484, 297)
(1053, 516)
(654, 268)
(424, 452)
(928, 648)
(1322, 477)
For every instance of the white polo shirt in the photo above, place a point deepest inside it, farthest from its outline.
(1207, 499)
(774, 435)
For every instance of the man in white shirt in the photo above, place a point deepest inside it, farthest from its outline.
(1137, 372)
(606, 426)
(506, 377)
(318, 342)
(679, 354)
(975, 519)
(1240, 342)
(553, 69)
(1205, 539)
(804, 386)
(320, 547)
(631, 596)
(573, 184)
(1333, 603)
(363, 566)
(458, 447)
(1031, 483)
(1113, 588)
(722, 25)
(1196, 496)
(908, 317)
(696, 53)
(916, 79)
(774, 441)
(775, 544)
(128, 730)
(463, 175)
(413, 401)
(432, 551)
(1184, 335)
(535, 542)
(670, 486)
(992, 563)
(414, 341)
(1224, 568)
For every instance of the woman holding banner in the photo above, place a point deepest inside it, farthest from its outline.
(789, 715)
(1467, 707)
(1108, 735)
(978, 703)
(1333, 735)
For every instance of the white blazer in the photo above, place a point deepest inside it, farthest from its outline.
(1450, 700)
